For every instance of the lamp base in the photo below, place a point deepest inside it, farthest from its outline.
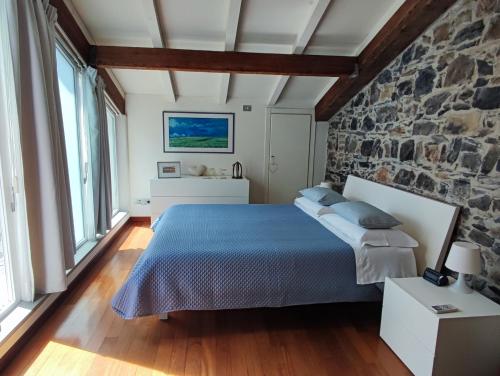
(460, 286)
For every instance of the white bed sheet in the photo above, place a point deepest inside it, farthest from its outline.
(373, 264)
(312, 208)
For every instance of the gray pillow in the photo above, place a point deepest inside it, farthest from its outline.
(322, 195)
(364, 215)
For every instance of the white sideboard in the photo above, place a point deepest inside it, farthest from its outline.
(197, 190)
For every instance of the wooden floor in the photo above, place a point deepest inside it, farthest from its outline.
(85, 337)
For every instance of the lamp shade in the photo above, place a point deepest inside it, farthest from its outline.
(464, 258)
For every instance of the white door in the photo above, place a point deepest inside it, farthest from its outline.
(289, 148)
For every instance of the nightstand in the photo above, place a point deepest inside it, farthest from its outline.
(466, 342)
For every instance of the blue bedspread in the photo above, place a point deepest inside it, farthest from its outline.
(239, 256)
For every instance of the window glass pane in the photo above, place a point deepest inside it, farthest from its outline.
(8, 168)
(6, 286)
(111, 120)
(67, 91)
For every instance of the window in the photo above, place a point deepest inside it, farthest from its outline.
(7, 294)
(68, 91)
(113, 159)
(78, 112)
(14, 247)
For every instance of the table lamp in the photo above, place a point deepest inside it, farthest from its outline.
(463, 258)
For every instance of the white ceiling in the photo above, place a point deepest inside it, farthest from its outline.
(345, 28)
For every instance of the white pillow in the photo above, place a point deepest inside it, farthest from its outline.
(311, 207)
(373, 237)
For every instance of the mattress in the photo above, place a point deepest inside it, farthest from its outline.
(206, 257)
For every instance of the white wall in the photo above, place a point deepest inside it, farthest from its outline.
(144, 115)
(123, 163)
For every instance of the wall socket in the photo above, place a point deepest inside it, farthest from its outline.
(247, 107)
(143, 201)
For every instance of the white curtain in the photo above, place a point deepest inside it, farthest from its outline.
(43, 149)
(101, 170)
(10, 150)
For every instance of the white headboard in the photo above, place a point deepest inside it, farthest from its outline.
(429, 221)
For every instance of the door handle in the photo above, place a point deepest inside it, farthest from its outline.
(12, 199)
(273, 166)
(85, 172)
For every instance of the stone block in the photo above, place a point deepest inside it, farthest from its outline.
(487, 98)
(459, 71)
(469, 32)
(404, 177)
(493, 31)
(462, 122)
(407, 151)
(424, 82)
(425, 182)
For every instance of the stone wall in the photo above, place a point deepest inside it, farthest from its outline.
(430, 124)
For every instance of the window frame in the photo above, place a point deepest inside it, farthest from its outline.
(13, 296)
(13, 211)
(79, 130)
(115, 191)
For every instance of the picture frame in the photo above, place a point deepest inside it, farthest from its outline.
(168, 170)
(198, 132)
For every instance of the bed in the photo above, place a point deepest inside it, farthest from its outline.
(205, 257)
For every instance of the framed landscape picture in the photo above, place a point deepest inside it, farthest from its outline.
(198, 132)
(169, 170)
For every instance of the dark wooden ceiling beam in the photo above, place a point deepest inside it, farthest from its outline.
(221, 61)
(411, 20)
(72, 30)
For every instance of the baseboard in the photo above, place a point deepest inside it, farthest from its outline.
(140, 219)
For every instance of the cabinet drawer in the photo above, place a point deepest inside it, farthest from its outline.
(406, 345)
(401, 308)
(182, 187)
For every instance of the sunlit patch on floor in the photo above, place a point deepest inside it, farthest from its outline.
(135, 239)
(58, 359)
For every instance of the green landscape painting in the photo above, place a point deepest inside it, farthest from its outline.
(188, 132)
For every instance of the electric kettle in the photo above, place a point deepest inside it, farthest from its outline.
(237, 171)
